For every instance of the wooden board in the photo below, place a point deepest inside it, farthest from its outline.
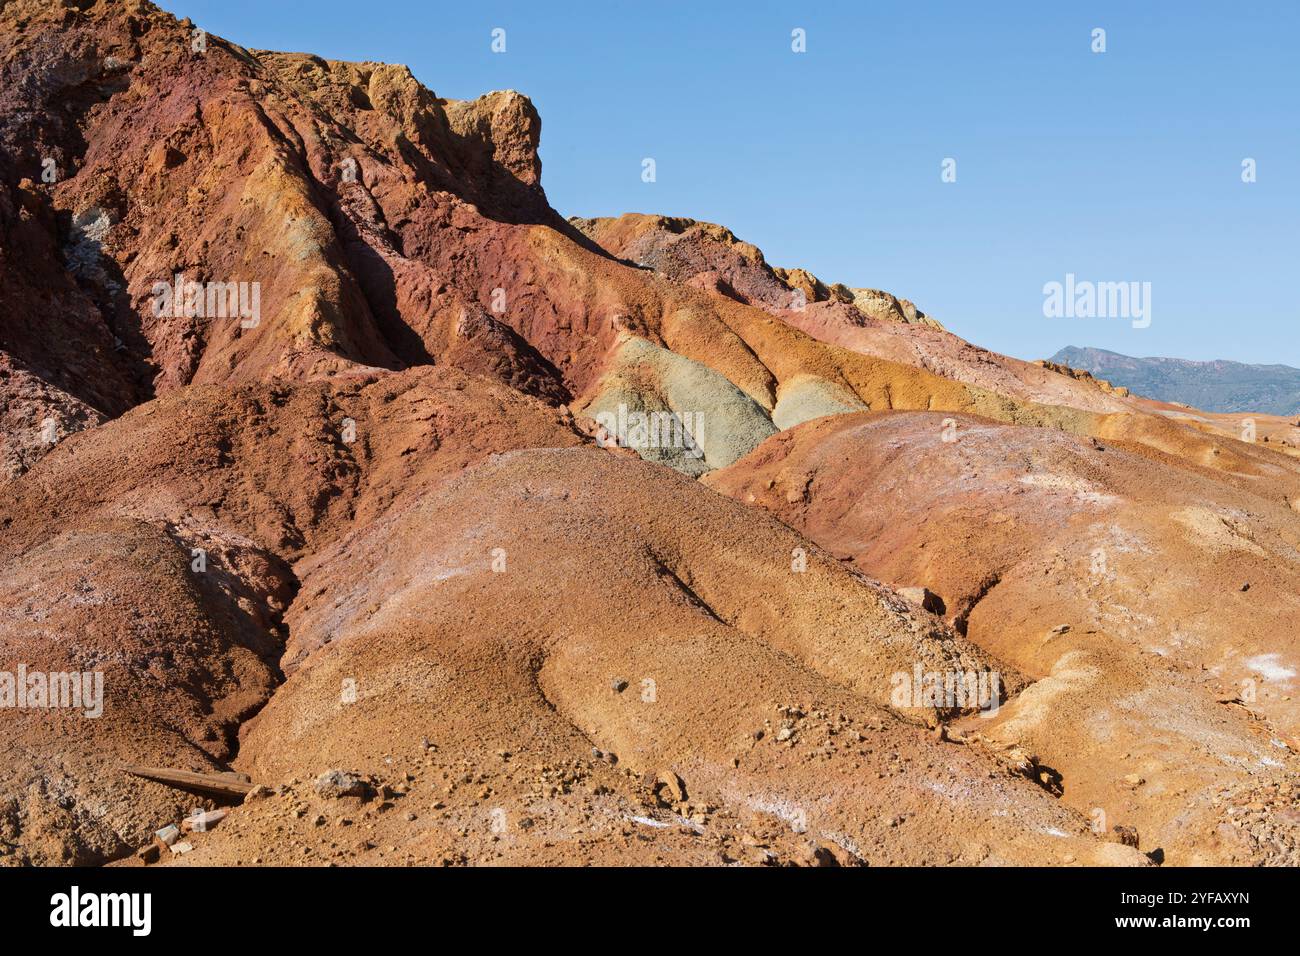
(225, 784)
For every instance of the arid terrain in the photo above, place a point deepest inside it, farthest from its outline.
(463, 533)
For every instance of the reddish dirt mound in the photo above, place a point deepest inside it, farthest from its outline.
(557, 644)
(1140, 595)
(98, 543)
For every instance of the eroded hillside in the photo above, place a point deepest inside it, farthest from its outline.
(569, 541)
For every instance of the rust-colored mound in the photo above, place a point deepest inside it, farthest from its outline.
(535, 616)
(164, 665)
(139, 157)
(1148, 600)
(155, 551)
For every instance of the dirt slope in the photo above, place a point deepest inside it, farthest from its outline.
(98, 544)
(599, 627)
(1147, 600)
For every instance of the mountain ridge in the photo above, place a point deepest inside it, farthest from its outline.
(1216, 385)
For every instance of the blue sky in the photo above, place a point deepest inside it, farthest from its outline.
(1115, 166)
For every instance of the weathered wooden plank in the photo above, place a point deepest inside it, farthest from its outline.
(226, 784)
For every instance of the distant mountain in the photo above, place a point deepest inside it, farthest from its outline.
(1217, 386)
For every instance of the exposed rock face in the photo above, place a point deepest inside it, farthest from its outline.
(233, 167)
(390, 498)
(1083, 376)
(710, 256)
(34, 417)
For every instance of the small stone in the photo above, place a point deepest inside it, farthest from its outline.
(150, 853)
(784, 734)
(1133, 781)
(669, 789)
(180, 848)
(168, 835)
(334, 784)
(619, 685)
(924, 598)
(838, 854)
(819, 856)
(257, 793)
(202, 822)
(1128, 836)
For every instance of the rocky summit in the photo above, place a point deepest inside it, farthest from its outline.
(348, 488)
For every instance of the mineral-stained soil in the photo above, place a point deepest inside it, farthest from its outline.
(485, 536)
(1145, 599)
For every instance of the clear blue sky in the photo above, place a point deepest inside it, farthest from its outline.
(1118, 166)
